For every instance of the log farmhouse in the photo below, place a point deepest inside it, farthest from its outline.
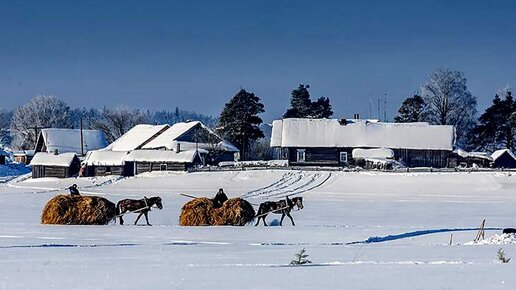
(352, 142)
(147, 148)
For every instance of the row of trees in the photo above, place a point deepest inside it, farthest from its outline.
(445, 100)
(19, 128)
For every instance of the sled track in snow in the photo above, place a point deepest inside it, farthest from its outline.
(290, 183)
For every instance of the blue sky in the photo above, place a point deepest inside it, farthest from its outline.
(197, 54)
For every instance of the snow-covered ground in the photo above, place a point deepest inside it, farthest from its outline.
(362, 230)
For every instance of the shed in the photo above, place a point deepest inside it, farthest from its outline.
(69, 140)
(504, 158)
(161, 160)
(331, 141)
(55, 165)
(106, 162)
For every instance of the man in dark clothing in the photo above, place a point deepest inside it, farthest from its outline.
(74, 191)
(219, 199)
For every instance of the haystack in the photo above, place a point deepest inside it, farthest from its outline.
(78, 210)
(200, 212)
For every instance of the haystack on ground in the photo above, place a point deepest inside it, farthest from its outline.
(78, 210)
(200, 212)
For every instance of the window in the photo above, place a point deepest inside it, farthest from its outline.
(300, 155)
(163, 167)
(108, 169)
(343, 157)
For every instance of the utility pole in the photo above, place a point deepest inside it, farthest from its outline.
(378, 109)
(385, 108)
(82, 141)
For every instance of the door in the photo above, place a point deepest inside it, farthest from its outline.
(301, 155)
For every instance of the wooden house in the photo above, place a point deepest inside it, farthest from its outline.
(55, 165)
(504, 158)
(330, 142)
(23, 156)
(106, 162)
(161, 160)
(194, 135)
(69, 140)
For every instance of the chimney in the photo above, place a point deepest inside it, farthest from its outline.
(178, 147)
(56, 152)
(356, 116)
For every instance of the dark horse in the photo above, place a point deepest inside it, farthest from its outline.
(282, 207)
(141, 206)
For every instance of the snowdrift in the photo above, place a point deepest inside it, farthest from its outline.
(80, 210)
(502, 239)
(200, 212)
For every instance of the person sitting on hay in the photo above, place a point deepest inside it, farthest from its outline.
(220, 198)
(74, 191)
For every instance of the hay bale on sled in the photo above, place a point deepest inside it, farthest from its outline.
(78, 210)
(200, 212)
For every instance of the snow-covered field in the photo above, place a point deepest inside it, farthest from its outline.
(361, 230)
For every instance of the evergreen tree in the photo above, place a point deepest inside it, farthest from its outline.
(497, 125)
(302, 107)
(239, 120)
(412, 110)
(321, 109)
(300, 103)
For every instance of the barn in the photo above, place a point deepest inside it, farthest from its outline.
(101, 163)
(462, 158)
(330, 142)
(55, 165)
(194, 135)
(161, 160)
(504, 158)
(69, 140)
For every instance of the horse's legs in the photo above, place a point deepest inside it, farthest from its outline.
(291, 219)
(121, 217)
(147, 218)
(282, 217)
(139, 216)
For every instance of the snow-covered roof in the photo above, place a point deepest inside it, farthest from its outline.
(168, 139)
(105, 158)
(467, 154)
(499, 153)
(161, 156)
(23, 152)
(69, 140)
(372, 153)
(50, 159)
(361, 133)
(138, 136)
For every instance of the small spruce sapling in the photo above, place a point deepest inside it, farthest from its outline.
(301, 258)
(501, 256)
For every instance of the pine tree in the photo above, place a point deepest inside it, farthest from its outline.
(321, 109)
(412, 110)
(497, 125)
(239, 120)
(301, 106)
(301, 258)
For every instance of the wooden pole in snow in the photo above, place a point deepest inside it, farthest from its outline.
(82, 141)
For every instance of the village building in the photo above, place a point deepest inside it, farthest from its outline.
(504, 158)
(462, 158)
(147, 148)
(55, 165)
(330, 142)
(52, 140)
(23, 156)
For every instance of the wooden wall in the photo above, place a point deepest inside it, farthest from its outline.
(2, 159)
(142, 167)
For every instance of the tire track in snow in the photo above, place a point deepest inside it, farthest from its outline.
(296, 183)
